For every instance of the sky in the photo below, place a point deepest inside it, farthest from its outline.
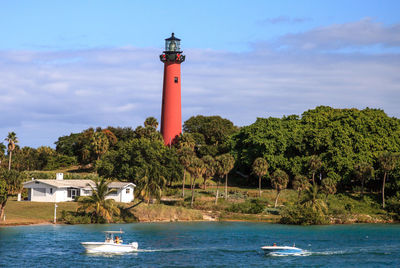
(66, 66)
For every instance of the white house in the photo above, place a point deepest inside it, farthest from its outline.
(61, 190)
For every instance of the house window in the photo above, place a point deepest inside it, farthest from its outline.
(114, 192)
(128, 191)
(51, 190)
(72, 192)
(87, 192)
(39, 191)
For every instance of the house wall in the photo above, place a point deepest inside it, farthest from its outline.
(127, 197)
(115, 195)
(122, 196)
(42, 193)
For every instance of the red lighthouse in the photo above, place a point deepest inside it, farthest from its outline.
(171, 117)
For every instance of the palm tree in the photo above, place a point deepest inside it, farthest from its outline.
(99, 143)
(219, 171)
(210, 166)
(150, 186)
(12, 140)
(363, 171)
(151, 122)
(185, 155)
(196, 169)
(97, 204)
(279, 181)
(388, 162)
(185, 140)
(260, 168)
(312, 199)
(227, 163)
(300, 183)
(328, 186)
(315, 164)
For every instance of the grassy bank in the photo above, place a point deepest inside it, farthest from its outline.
(241, 205)
(25, 212)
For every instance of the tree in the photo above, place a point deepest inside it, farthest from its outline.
(10, 184)
(315, 164)
(328, 186)
(300, 183)
(151, 122)
(186, 156)
(2, 154)
(112, 139)
(260, 168)
(97, 205)
(132, 160)
(210, 167)
(363, 171)
(387, 161)
(279, 181)
(219, 171)
(196, 169)
(149, 187)
(312, 200)
(99, 143)
(68, 145)
(12, 140)
(226, 164)
(210, 132)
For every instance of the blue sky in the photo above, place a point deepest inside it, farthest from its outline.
(69, 65)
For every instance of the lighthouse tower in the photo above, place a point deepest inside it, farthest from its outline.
(171, 116)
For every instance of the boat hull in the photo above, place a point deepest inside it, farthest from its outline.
(104, 247)
(281, 250)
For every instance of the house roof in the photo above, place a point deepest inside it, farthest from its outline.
(85, 184)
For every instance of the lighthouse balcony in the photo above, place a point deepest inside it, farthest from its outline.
(172, 57)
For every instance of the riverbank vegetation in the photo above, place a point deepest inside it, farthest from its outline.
(326, 166)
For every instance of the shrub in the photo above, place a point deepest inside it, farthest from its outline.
(69, 217)
(252, 206)
(171, 191)
(393, 204)
(302, 215)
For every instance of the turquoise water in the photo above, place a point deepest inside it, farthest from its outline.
(203, 245)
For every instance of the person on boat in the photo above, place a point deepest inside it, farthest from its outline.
(117, 241)
(274, 245)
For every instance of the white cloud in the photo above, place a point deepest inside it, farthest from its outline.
(365, 32)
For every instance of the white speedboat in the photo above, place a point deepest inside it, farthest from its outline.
(112, 244)
(281, 250)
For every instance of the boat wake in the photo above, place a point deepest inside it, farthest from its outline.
(278, 254)
(197, 249)
(168, 249)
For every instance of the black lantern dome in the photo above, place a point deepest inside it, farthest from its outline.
(173, 44)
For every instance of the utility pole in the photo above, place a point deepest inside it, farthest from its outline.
(55, 213)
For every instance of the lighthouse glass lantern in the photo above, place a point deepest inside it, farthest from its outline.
(172, 44)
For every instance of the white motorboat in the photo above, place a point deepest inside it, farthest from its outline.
(281, 250)
(112, 244)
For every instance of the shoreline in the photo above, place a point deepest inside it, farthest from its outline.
(175, 221)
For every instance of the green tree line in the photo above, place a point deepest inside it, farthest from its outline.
(321, 152)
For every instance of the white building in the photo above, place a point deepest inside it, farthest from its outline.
(60, 190)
